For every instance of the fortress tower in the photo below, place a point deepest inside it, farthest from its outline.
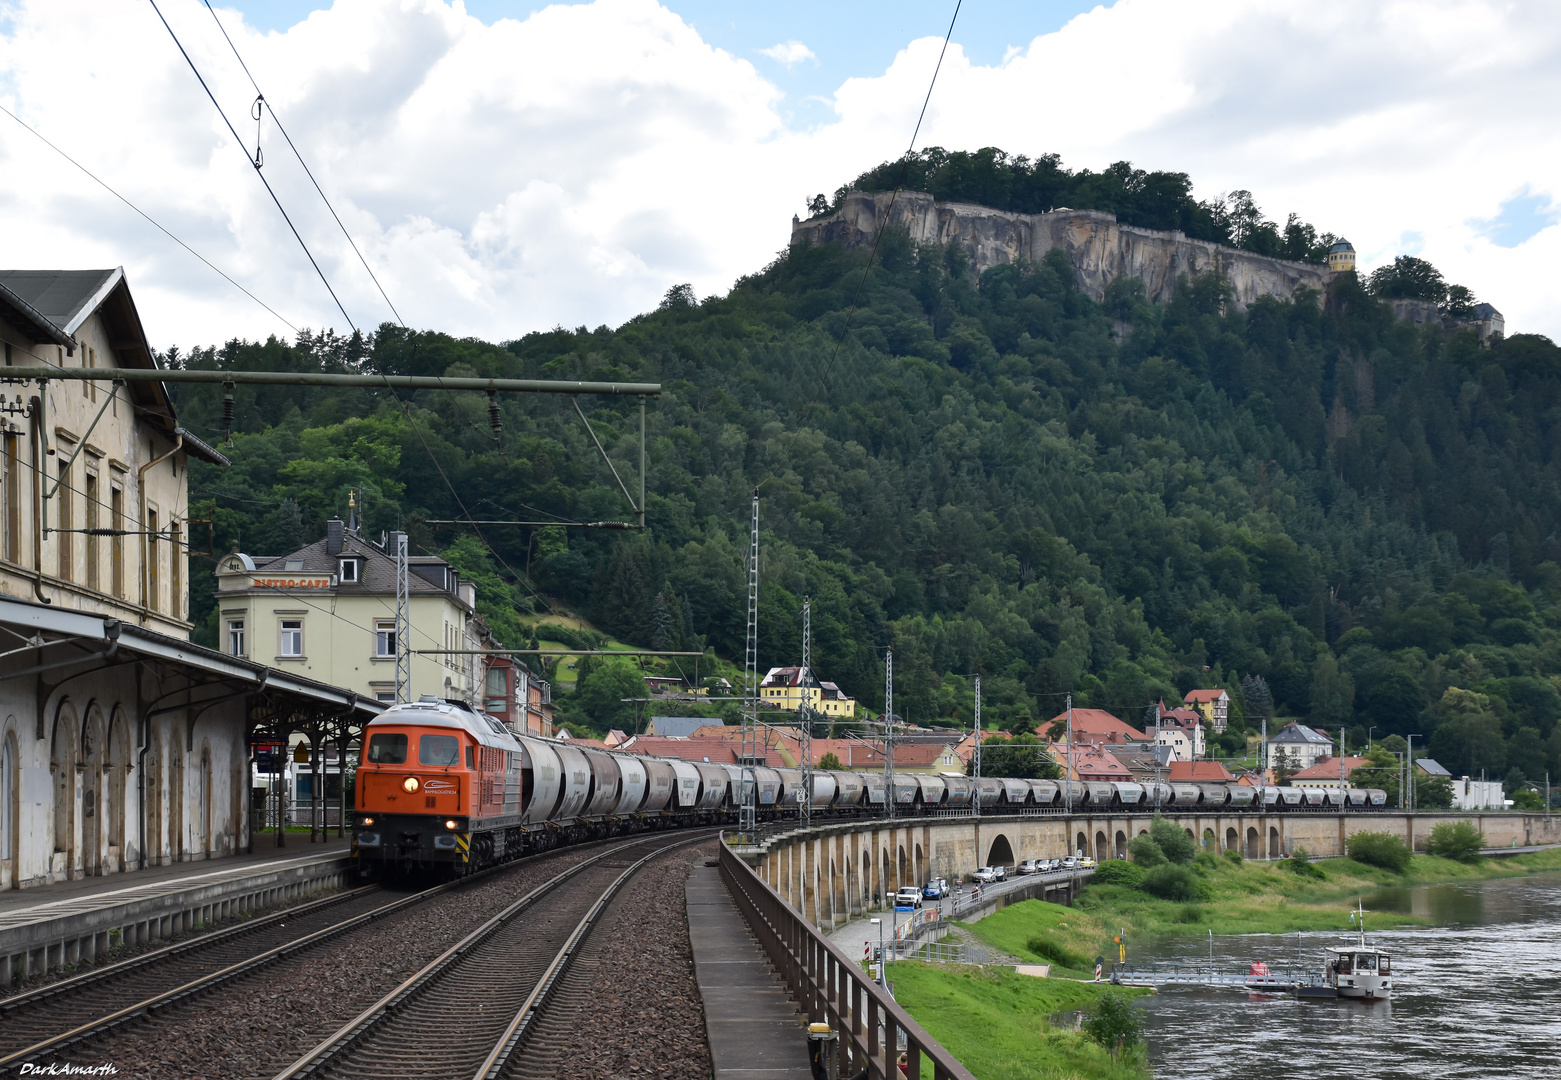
(1341, 257)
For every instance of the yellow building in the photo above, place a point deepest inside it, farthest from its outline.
(1341, 257)
(328, 611)
(788, 688)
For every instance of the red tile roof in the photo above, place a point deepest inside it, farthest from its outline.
(1090, 762)
(1199, 772)
(1328, 769)
(716, 751)
(1192, 696)
(1093, 726)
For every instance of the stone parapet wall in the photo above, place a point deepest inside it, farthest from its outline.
(834, 872)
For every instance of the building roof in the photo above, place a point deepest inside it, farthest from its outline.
(830, 690)
(1094, 725)
(1192, 697)
(790, 676)
(377, 576)
(51, 305)
(1432, 767)
(1090, 762)
(1145, 759)
(1341, 245)
(1300, 733)
(1329, 769)
(715, 751)
(1179, 717)
(1199, 772)
(676, 726)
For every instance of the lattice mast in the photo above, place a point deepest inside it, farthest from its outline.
(1067, 781)
(888, 733)
(403, 625)
(975, 800)
(805, 715)
(749, 813)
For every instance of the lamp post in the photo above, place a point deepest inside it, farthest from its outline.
(879, 923)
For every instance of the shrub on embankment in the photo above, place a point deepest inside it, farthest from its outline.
(1456, 840)
(996, 1022)
(1379, 849)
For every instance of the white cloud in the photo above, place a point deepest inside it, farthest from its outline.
(567, 168)
(790, 53)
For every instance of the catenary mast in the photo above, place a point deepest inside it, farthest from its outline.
(748, 816)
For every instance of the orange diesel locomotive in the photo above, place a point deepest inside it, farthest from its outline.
(438, 786)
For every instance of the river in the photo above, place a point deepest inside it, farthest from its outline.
(1477, 997)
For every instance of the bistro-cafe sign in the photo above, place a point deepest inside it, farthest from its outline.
(311, 581)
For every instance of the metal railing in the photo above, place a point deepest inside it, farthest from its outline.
(832, 988)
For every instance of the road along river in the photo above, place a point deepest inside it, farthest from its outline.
(1478, 996)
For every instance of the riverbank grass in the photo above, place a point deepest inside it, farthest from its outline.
(1274, 898)
(996, 1022)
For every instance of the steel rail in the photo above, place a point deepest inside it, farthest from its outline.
(333, 1047)
(168, 952)
(537, 1000)
(44, 373)
(244, 967)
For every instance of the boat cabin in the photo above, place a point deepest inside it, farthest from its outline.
(1361, 972)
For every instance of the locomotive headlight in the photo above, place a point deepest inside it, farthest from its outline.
(366, 821)
(450, 824)
(410, 783)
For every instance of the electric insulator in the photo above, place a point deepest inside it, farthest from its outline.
(227, 412)
(493, 416)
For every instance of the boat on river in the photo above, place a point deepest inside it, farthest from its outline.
(1360, 971)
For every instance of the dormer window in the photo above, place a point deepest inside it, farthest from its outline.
(293, 566)
(349, 570)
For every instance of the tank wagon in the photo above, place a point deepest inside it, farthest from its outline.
(444, 788)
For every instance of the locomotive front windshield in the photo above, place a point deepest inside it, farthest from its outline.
(438, 750)
(388, 749)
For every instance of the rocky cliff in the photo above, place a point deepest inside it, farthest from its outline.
(1099, 247)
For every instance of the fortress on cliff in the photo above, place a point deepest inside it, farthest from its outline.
(1100, 249)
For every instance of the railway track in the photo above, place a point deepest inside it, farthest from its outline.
(468, 1012)
(61, 1015)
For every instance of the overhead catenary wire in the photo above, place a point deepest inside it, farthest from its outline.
(151, 220)
(905, 163)
(240, 144)
(262, 100)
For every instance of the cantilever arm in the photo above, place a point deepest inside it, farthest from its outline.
(576, 402)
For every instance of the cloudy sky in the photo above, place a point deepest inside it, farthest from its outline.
(507, 168)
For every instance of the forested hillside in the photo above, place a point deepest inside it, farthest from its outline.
(1122, 501)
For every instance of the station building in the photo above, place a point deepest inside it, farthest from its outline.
(122, 745)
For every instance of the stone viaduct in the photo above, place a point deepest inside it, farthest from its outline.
(832, 872)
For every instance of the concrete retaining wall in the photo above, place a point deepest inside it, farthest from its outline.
(83, 932)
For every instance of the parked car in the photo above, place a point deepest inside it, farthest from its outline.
(986, 875)
(1070, 863)
(936, 889)
(1048, 865)
(909, 897)
(1087, 863)
(1029, 866)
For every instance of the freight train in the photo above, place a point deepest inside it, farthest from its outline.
(442, 787)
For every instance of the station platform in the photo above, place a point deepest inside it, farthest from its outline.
(48, 927)
(753, 1026)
